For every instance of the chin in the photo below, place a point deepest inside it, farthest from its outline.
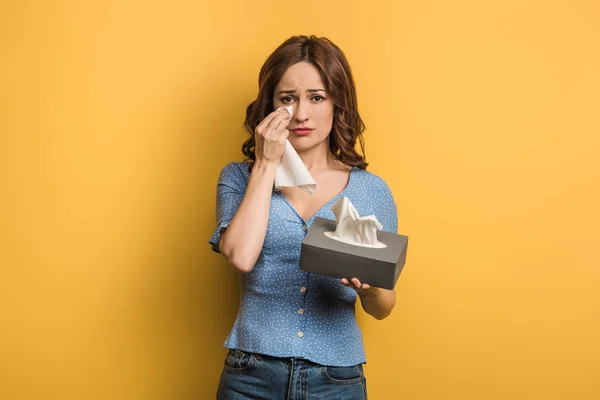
(304, 143)
(301, 144)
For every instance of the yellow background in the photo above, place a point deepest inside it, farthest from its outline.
(117, 116)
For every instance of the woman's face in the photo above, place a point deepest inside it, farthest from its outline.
(301, 87)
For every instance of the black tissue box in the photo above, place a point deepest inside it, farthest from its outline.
(379, 267)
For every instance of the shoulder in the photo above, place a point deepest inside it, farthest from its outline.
(371, 182)
(376, 192)
(236, 167)
(235, 172)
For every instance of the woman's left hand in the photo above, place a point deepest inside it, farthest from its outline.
(361, 288)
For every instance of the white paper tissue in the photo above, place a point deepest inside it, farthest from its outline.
(353, 229)
(291, 171)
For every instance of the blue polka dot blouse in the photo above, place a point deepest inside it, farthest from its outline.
(285, 312)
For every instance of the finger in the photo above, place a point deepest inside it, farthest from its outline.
(283, 136)
(365, 286)
(276, 120)
(265, 122)
(276, 127)
(286, 108)
(356, 282)
(344, 281)
(281, 128)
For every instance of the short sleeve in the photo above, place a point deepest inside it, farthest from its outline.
(386, 211)
(231, 188)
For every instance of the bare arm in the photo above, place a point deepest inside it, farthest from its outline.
(376, 302)
(243, 240)
(379, 304)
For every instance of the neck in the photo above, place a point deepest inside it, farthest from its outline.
(317, 157)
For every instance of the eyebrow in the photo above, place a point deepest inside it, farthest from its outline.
(307, 91)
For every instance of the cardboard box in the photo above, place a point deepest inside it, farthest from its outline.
(378, 267)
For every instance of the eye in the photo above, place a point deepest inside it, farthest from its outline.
(286, 99)
(320, 98)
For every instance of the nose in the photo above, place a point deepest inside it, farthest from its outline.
(301, 113)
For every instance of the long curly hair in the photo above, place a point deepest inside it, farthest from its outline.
(335, 72)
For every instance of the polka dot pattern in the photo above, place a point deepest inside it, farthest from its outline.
(285, 312)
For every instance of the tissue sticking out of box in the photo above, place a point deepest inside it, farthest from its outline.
(353, 229)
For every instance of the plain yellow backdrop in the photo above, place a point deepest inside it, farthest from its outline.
(117, 116)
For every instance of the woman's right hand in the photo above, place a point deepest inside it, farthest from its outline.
(270, 136)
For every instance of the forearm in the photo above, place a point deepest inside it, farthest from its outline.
(242, 242)
(378, 303)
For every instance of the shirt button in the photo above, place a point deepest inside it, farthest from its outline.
(300, 334)
(304, 227)
(301, 311)
(302, 289)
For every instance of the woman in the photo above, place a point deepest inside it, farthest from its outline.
(296, 334)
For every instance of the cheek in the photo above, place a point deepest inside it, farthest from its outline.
(325, 116)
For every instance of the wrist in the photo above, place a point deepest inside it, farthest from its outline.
(264, 165)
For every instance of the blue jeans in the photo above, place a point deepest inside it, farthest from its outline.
(257, 376)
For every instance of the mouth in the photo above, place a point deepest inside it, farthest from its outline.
(302, 131)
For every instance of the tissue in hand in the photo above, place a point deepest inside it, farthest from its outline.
(353, 229)
(291, 171)
(290, 110)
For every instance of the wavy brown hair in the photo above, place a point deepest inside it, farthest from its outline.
(335, 72)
